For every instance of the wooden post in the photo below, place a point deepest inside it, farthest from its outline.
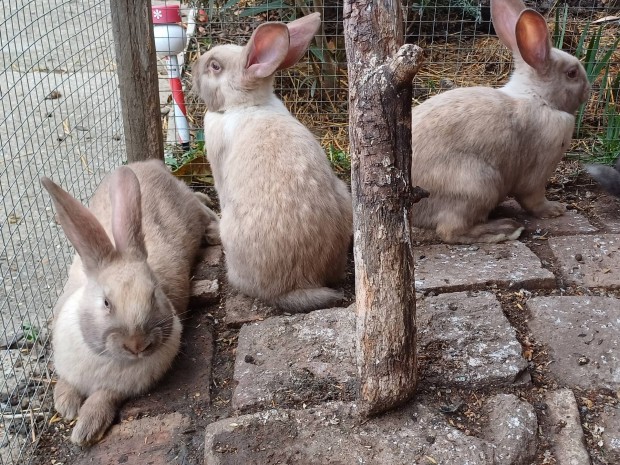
(381, 69)
(136, 62)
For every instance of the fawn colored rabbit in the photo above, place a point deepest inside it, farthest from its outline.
(286, 218)
(472, 147)
(116, 326)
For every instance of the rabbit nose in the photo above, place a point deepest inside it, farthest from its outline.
(136, 344)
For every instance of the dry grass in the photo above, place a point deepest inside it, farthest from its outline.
(320, 101)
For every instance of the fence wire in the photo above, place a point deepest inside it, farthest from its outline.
(60, 118)
(461, 50)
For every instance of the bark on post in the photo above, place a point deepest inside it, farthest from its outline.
(380, 72)
(137, 75)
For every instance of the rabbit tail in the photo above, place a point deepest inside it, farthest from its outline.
(607, 177)
(306, 300)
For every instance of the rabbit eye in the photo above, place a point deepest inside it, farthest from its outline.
(572, 73)
(215, 66)
(106, 304)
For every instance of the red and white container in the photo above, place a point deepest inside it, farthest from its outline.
(170, 40)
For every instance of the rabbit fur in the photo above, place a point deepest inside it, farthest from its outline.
(116, 326)
(286, 218)
(472, 147)
(607, 176)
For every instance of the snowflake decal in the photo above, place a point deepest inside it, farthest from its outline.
(157, 14)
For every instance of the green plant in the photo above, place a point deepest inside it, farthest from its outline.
(559, 26)
(607, 147)
(595, 59)
(339, 159)
(31, 333)
(176, 158)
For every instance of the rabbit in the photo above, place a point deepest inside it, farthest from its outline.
(472, 147)
(116, 326)
(608, 177)
(286, 219)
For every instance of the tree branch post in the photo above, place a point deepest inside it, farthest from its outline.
(380, 70)
(136, 62)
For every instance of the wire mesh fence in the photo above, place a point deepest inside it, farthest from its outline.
(461, 50)
(60, 118)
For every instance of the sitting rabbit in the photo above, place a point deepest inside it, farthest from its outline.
(474, 146)
(116, 326)
(286, 218)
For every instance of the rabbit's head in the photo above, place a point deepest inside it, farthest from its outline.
(231, 76)
(556, 76)
(122, 312)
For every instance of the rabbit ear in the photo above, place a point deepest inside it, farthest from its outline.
(505, 14)
(301, 32)
(266, 49)
(533, 39)
(126, 204)
(81, 227)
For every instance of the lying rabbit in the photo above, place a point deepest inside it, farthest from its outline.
(116, 326)
(286, 218)
(472, 147)
(608, 177)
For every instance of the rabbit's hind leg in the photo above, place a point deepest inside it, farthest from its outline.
(537, 204)
(494, 231)
(458, 231)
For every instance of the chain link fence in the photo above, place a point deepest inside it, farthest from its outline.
(61, 118)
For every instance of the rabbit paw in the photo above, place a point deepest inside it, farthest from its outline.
(549, 210)
(67, 400)
(95, 417)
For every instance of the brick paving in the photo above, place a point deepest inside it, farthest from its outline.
(526, 330)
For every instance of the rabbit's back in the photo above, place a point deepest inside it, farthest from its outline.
(281, 202)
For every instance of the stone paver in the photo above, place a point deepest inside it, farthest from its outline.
(563, 426)
(333, 434)
(582, 336)
(241, 309)
(463, 340)
(466, 340)
(591, 261)
(205, 291)
(570, 222)
(445, 268)
(274, 354)
(607, 210)
(151, 440)
(610, 421)
(512, 429)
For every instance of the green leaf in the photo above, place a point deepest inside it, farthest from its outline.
(317, 52)
(559, 29)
